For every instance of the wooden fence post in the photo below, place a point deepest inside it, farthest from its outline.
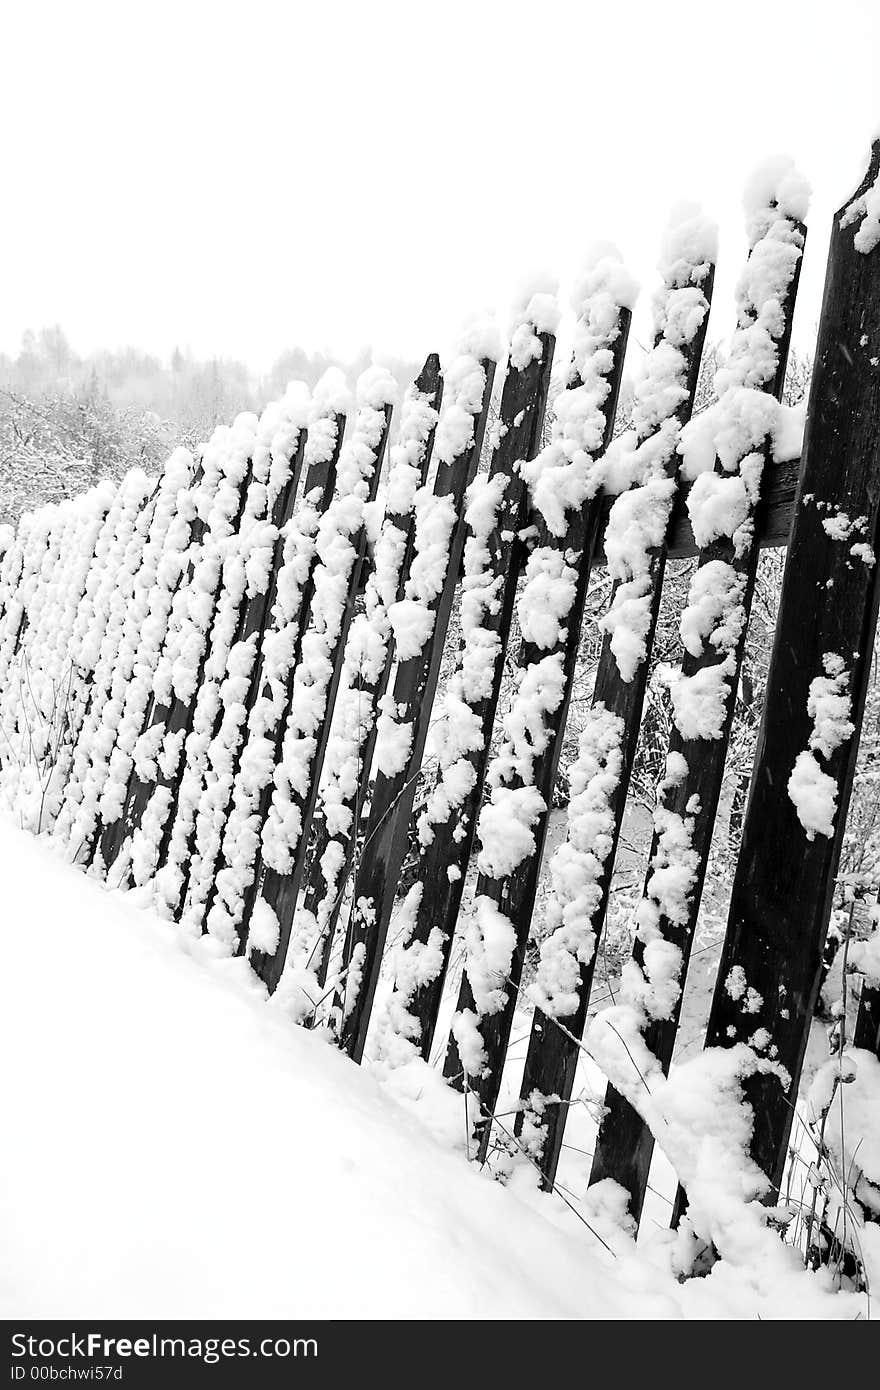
(768, 976)
(565, 482)
(494, 553)
(725, 510)
(337, 580)
(419, 622)
(636, 540)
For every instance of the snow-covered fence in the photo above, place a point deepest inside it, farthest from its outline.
(221, 895)
(219, 686)
(225, 497)
(493, 556)
(635, 547)
(564, 483)
(736, 434)
(367, 669)
(338, 578)
(419, 623)
(792, 835)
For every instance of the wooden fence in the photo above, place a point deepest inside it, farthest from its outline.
(221, 683)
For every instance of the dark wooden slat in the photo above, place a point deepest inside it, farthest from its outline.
(443, 862)
(784, 881)
(625, 1144)
(513, 893)
(322, 898)
(281, 890)
(385, 835)
(553, 1052)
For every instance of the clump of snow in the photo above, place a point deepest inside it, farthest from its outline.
(642, 464)
(535, 311)
(566, 473)
(577, 865)
(866, 211)
(775, 187)
(480, 337)
(829, 705)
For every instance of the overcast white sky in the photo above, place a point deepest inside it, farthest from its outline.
(247, 177)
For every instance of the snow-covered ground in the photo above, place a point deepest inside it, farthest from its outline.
(175, 1147)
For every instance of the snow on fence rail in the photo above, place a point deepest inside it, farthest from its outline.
(220, 686)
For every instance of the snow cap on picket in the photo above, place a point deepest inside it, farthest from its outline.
(863, 211)
(332, 395)
(376, 387)
(464, 382)
(774, 189)
(480, 337)
(535, 299)
(688, 245)
(603, 271)
(534, 310)
(296, 402)
(177, 472)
